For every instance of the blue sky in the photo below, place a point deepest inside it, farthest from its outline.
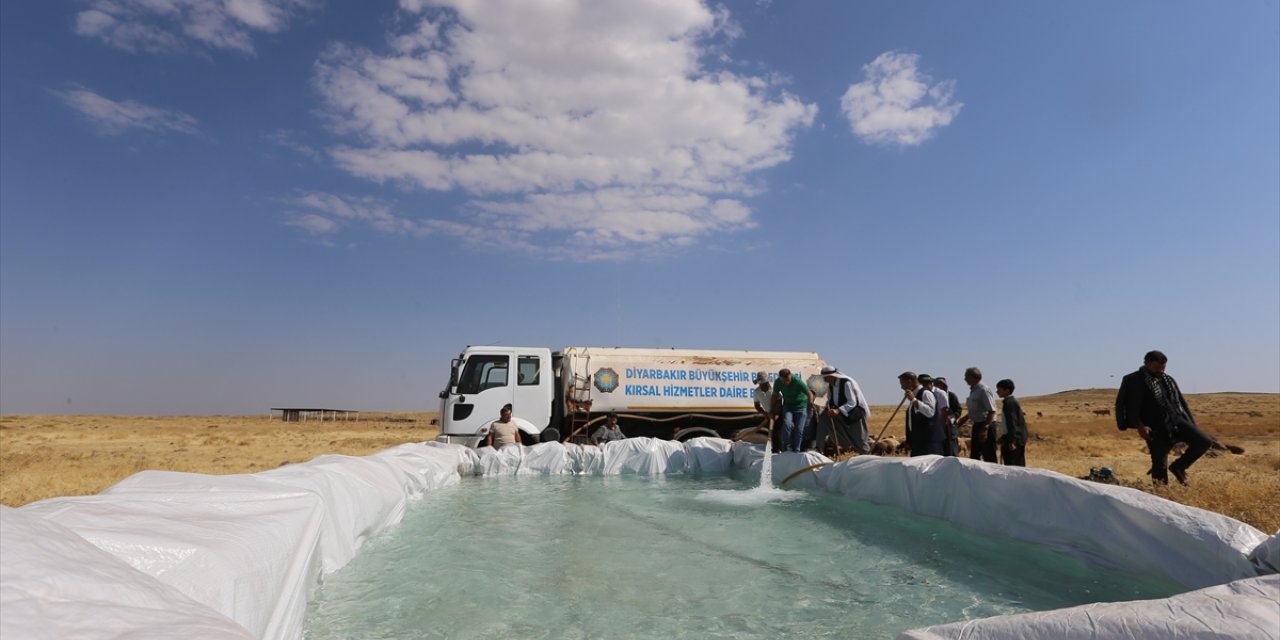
(214, 207)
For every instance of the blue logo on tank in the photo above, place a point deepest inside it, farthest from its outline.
(606, 380)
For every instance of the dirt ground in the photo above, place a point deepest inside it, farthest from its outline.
(47, 456)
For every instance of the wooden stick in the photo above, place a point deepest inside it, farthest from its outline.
(891, 417)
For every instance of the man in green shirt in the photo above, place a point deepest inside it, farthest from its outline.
(793, 396)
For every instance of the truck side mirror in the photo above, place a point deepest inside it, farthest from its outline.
(444, 394)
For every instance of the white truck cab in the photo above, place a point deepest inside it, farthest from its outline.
(485, 378)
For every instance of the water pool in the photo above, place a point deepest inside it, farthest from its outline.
(685, 557)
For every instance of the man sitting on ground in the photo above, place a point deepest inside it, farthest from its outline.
(608, 431)
(503, 431)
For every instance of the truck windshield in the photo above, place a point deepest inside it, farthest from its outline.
(483, 372)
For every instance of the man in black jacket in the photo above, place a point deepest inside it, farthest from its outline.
(1151, 402)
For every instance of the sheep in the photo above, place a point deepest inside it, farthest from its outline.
(884, 446)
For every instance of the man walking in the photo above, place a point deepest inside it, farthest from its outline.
(1150, 401)
(847, 412)
(793, 396)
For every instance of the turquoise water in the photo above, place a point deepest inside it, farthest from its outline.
(685, 557)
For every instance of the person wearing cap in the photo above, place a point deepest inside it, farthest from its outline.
(982, 413)
(608, 431)
(792, 398)
(922, 434)
(954, 410)
(763, 396)
(941, 408)
(847, 412)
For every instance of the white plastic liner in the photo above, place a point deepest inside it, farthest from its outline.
(750, 457)
(191, 556)
(244, 546)
(1110, 525)
(709, 455)
(253, 547)
(1266, 556)
(467, 459)
(587, 459)
(643, 456)
(54, 585)
(1248, 608)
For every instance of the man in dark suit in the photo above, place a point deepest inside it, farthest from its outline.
(1150, 401)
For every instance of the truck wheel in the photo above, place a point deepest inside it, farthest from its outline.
(694, 432)
(550, 434)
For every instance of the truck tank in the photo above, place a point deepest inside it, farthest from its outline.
(670, 393)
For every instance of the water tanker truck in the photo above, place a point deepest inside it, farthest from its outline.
(564, 395)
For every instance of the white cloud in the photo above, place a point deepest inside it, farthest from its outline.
(895, 104)
(313, 223)
(113, 118)
(290, 140)
(156, 26)
(324, 213)
(599, 122)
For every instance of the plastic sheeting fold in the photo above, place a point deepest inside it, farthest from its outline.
(1248, 608)
(252, 547)
(55, 585)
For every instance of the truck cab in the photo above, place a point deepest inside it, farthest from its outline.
(483, 379)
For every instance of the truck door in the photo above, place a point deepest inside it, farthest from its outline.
(484, 386)
(534, 382)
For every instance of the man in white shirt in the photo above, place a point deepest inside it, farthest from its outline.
(941, 407)
(922, 434)
(764, 405)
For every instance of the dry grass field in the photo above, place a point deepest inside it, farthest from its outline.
(46, 456)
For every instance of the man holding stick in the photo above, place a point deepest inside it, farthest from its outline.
(847, 411)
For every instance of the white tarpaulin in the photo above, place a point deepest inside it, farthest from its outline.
(750, 457)
(1266, 556)
(709, 455)
(252, 547)
(1247, 608)
(1110, 525)
(54, 585)
(194, 555)
(643, 456)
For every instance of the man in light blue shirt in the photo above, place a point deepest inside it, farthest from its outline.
(982, 414)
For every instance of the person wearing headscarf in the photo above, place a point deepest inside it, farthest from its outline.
(846, 412)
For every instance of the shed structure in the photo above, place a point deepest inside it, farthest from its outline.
(299, 414)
